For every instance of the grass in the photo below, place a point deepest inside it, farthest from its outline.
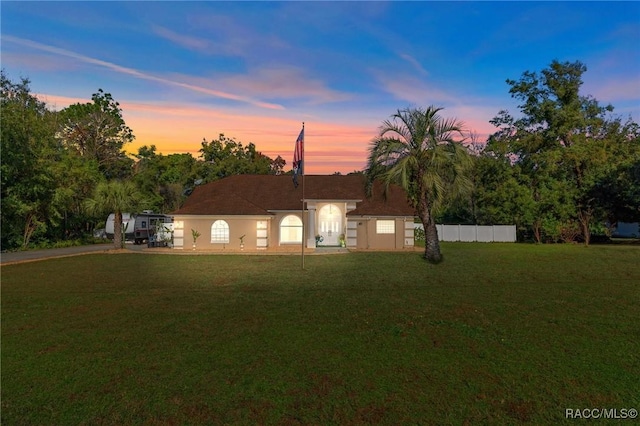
(498, 333)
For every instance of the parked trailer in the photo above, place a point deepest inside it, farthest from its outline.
(138, 227)
(127, 226)
(146, 225)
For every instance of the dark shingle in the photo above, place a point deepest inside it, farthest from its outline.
(259, 194)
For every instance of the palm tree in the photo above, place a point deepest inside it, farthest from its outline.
(117, 197)
(416, 150)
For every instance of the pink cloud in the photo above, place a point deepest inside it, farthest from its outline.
(58, 103)
(140, 74)
(615, 77)
(235, 37)
(193, 43)
(275, 82)
(32, 62)
(475, 118)
(414, 62)
(625, 88)
(283, 83)
(412, 89)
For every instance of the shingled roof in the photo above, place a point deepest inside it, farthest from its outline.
(264, 194)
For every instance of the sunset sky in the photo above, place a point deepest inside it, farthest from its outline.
(184, 71)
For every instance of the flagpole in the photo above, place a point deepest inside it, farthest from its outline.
(304, 237)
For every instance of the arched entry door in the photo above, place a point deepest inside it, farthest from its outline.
(330, 224)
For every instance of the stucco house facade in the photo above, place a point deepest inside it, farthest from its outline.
(265, 213)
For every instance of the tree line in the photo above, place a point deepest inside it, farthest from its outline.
(59, 168)
(562, 169)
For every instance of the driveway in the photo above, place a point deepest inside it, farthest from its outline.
(32, 255)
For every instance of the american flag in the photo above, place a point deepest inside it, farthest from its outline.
(298, 158)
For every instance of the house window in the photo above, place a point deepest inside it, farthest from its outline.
(386, 226)
(220, 232)
(291, 229)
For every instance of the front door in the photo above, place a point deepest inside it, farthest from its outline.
(330, 225)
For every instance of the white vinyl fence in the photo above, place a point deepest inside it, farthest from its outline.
(470, 233)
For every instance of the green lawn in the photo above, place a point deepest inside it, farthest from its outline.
(498, 333)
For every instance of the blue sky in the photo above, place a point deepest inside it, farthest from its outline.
(184, 71)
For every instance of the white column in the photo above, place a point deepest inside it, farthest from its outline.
(311, 225)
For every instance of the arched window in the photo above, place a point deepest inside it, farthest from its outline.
(291, 229)
(220, 232)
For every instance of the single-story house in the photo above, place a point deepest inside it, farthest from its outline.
(265, 212)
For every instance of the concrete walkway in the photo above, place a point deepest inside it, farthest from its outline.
(33, 255)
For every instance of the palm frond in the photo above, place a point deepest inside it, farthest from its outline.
(417, 148)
